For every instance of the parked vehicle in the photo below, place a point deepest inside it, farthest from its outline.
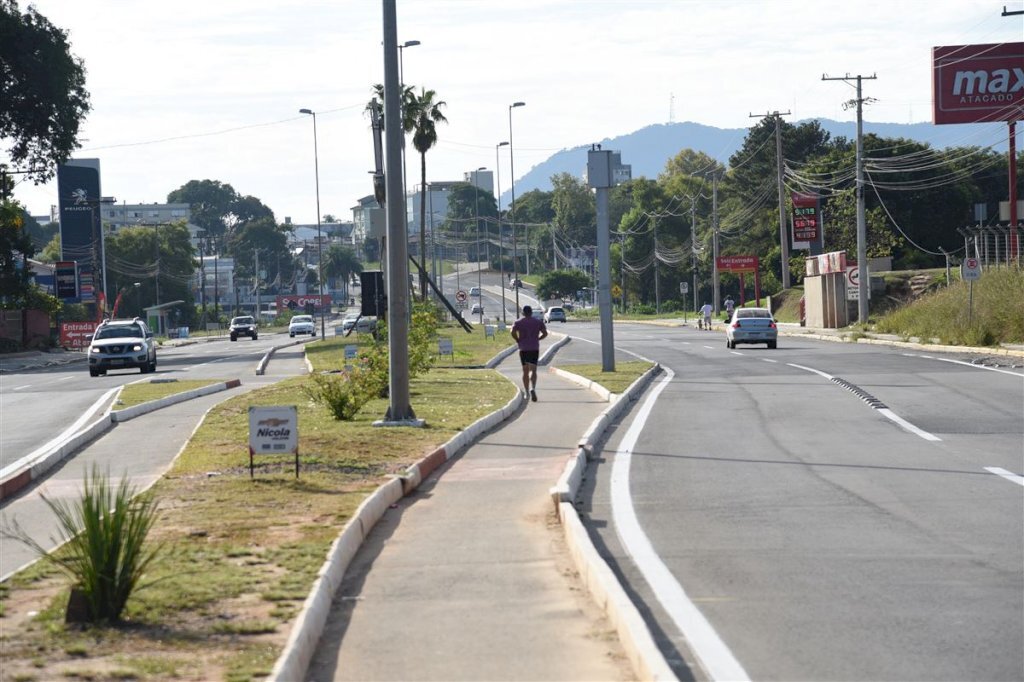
(362, 325)
(122, 344)
(752, 325)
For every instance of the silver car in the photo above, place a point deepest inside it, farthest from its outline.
(751, 325)
(122, 344)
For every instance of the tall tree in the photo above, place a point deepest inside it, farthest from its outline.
(42, 91)
(212, 203)
(341, 262)
(144, 254)
(15, 248)
(427, 114)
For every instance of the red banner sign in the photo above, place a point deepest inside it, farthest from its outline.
(806, 217)
(298, 302)
(737, 263)
(978, 83)
(76, 334)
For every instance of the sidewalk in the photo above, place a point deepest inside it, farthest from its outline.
(469, 578)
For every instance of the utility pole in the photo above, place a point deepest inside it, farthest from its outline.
(657, 289)
(783, 237)
(862, 232)
(714, 243)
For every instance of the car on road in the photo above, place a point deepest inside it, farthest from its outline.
(243, 325)
(362, 325)
(302, 324)
(122, 344)
(537, 313)
(477, 309)
(751, 325)
(474, 291)
(554, 314)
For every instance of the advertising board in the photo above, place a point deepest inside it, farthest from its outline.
(806, 220)
(737, 263)
(978, 83)
(76, 334)
(65, 275)
(78, 193)
(299, 301)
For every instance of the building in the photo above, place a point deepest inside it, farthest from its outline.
(118, 216)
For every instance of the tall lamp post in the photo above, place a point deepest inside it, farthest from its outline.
(501, 242)
(319, 238)
(476, 213)
(512, 172)
(401, 96)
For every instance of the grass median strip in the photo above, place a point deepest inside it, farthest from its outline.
(240, 555)
(144, 392)
(618, 381)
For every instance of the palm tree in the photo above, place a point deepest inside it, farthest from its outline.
(426, 113)
(340, 261)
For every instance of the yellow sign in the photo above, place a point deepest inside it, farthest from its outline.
(616, 291)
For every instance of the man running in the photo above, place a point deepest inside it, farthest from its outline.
(528, 332)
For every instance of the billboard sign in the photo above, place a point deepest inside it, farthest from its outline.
(78, 194)
(737, 263)
(978, 83)
(76, 334)
(65, 274)
(299, 301)
(806, 220)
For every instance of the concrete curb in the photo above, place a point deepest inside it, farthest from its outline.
(261, 366)
(935, 347)
(61, 451)
(134, 411)
(646, 658)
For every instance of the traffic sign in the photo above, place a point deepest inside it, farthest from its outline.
(970, 270)
(684, 287)
(460, 296)
(616, 290)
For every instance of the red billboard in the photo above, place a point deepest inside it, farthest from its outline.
(299, 301)
(978, 83)
(737, 263)
(76, 334)
(806, 217)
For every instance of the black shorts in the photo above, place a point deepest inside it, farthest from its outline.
(529, 357)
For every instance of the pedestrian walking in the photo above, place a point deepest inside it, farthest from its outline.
(729, 306)
(528, 332)
(705, 312)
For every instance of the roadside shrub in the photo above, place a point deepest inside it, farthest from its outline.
(104, 549)
(343, 394)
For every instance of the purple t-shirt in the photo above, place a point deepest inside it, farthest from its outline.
(529, 329)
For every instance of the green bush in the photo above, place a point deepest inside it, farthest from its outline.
(104, 535)
(343, 394)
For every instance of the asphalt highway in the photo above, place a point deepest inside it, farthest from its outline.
(824, 511)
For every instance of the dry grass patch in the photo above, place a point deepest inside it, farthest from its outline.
(618, 381)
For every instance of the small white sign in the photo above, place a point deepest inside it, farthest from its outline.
(684, 287)
(350, 351)
(273, 430)
(445, 347)
(970, 270)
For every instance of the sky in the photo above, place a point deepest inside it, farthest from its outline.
(189, 90)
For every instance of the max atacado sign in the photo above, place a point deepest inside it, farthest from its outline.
(978, 83)
(274, 431)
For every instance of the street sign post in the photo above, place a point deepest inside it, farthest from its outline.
(970, 270)
(273, 431)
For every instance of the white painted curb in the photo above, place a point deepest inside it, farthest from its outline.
(134, 411)
(261, 366)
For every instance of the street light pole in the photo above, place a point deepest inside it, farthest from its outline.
(476, 213)
(512, 172)
(501, 241)
(319, 237)
(401, 96)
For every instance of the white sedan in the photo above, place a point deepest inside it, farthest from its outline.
(751, 325)
(302, 324)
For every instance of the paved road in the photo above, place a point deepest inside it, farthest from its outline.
(821, 511)
(144, 447)
(38, 405)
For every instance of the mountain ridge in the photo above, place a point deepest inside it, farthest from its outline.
(648, 149)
